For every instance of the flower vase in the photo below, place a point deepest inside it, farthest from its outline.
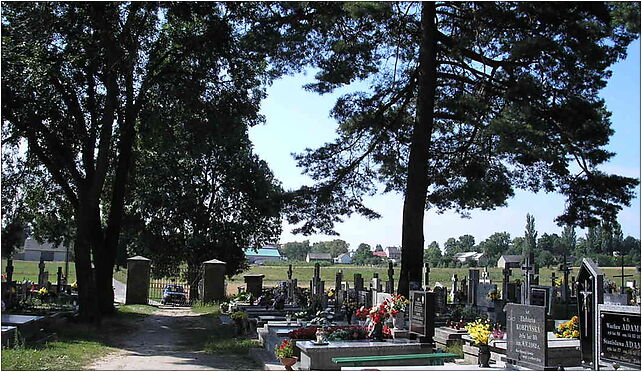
(288, 362)
(377, 332)
(484, 356)
(398, 322)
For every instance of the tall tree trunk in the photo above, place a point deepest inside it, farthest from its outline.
(412, 238)
(87, 297)
(105, 274)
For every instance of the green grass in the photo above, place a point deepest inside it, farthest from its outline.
(135, 311)
(274, 274)
(78, 345)
(121, 275)
(238, 346)
(222, 340)
(211, 309)
(455, 348)
(76, 348)
(28, 270)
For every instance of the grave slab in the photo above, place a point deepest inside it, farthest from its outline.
(315, 357)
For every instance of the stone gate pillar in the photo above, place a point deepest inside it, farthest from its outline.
(213, 280)
(138, 271)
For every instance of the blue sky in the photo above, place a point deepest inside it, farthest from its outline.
(296, 119)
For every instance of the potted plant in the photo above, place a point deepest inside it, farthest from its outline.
(480, 331)
(239, 319)
(285, 352)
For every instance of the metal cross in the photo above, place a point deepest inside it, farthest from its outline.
(426, 272)
(622, 276)
(586, 295)
(290, 272)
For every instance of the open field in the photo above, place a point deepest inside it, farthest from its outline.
(28, 270)
(274, 274)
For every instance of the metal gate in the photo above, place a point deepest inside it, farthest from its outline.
(171, 289)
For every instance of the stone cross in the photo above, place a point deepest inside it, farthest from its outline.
(453, 292)
(528, 271)
(59, 279)
(9, 270)
(505, 279)
(338, 295)
(426, 275)
(622, 276)
(573, 287)
(565, 269)
(43, 276)
(485, 276)
(390, 284)
(553, 279)
(317, 270)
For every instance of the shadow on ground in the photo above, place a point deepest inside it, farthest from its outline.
(173, 338)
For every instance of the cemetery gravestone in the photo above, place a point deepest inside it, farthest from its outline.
(619, 335)
(390, 284)
(590, 281)
(482, 298)
(254, 285)
(422, 315)
(473, 282)
(358, 282)
(541, 296)
(453, 291)
(441, 300)
(426, 276)
(526, 335)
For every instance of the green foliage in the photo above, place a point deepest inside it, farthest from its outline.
(530, 235)
(455, 348)
(334, 247)
(296, 251)
(221, 340)
(495, 246)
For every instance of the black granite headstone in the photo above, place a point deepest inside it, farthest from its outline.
(590, 281)
(619, 337)
(526, 335)
(422, 315)
(541, 296)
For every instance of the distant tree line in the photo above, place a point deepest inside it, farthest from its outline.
(297, 251)
(605, 244)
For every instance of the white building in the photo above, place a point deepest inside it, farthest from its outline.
(464, 257)
(343, 258)
(34, 251)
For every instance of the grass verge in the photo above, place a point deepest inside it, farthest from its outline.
(211, 309)
(223, 340)
(76, 348)
(455, 348)
(78, 345)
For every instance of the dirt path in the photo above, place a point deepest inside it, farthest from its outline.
(167, 340)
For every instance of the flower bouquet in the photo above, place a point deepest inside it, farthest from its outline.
(285, 352)
(494, 295)
(481, 332)
(570, 329)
